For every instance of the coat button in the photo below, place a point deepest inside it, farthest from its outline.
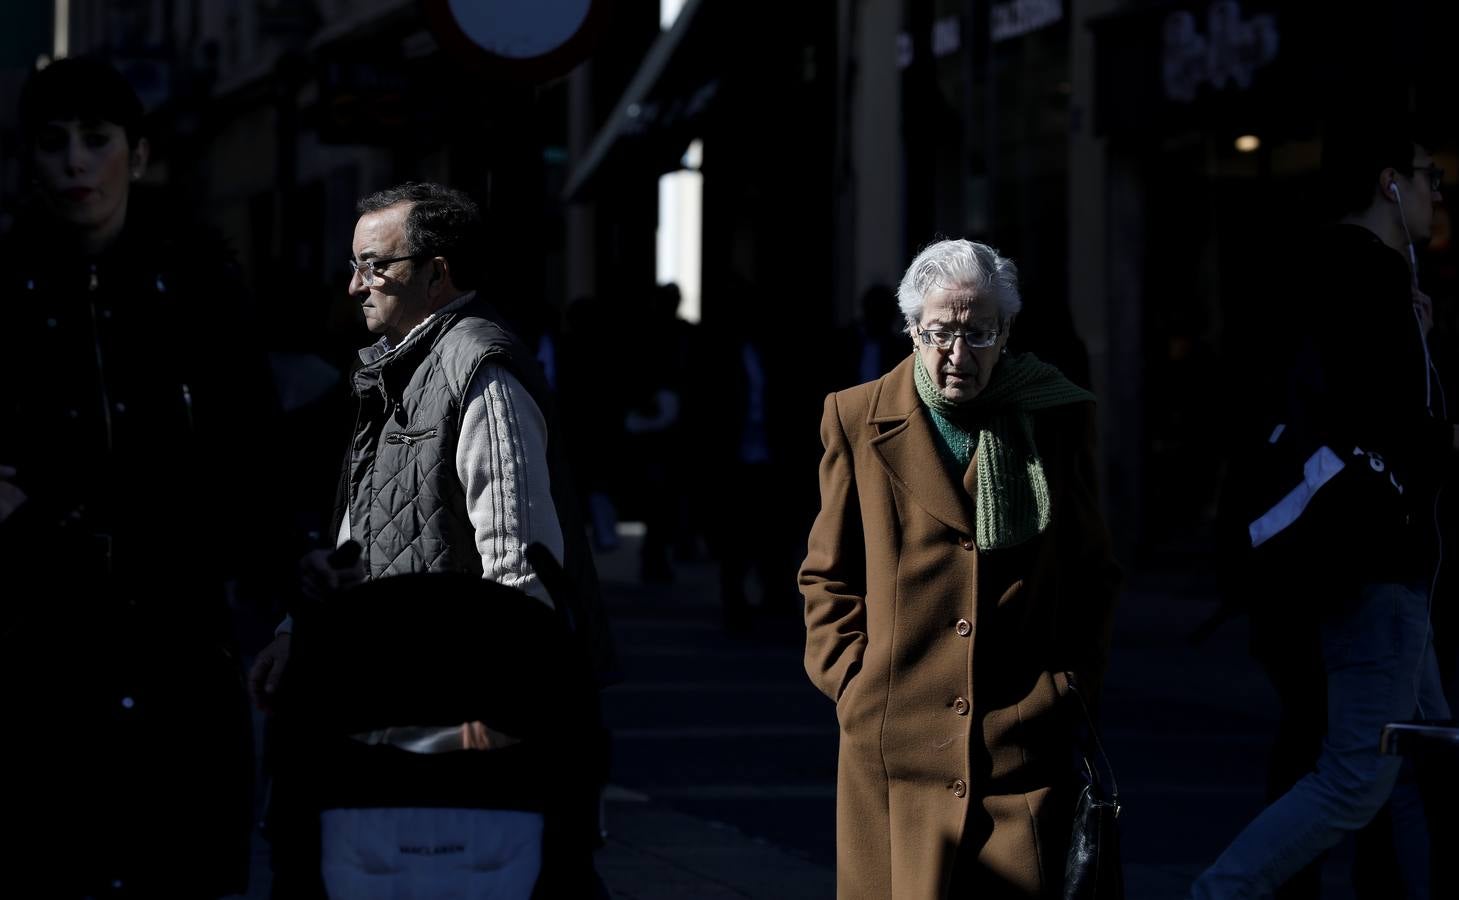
(52, 323)
(963, 627)
(119, 407)
(960, 706)
(967, 543)
(959, 788)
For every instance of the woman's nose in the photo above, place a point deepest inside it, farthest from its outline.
(74, 158)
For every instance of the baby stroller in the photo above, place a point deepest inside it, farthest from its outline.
(435, 737)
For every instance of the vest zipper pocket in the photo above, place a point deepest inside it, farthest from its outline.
(409, 439)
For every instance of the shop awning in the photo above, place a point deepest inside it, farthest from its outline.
(659, 114)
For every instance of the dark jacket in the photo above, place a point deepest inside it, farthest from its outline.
(128, 387)
(133, 413)
(1348, 372)
(1377, 390)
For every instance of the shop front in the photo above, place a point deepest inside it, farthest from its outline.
(1212, 116)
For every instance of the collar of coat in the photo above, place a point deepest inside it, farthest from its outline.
(389, 369)
(908, 451)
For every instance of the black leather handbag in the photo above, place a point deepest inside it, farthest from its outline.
(1092, 868)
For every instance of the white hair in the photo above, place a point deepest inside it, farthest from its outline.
(960, 265)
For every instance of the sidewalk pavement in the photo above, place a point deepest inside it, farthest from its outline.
(655, 853)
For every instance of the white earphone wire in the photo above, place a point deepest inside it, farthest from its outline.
(1431, 375)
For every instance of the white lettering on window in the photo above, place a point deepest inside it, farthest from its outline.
(947, 37)
(1019, 17)
(1230, 52)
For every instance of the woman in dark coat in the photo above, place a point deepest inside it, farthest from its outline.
(129, 412)
(958, 570)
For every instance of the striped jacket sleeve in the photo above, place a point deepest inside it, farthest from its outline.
(502, 462)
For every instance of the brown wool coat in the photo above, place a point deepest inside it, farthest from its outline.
(947, 781)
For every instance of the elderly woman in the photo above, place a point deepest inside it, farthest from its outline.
(958, 570)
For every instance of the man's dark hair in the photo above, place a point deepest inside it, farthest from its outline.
(1354, 153)
(442, 222)
(82, 88)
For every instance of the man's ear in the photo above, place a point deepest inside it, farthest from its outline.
(140, 154)
(1386, 182)
(439, 282)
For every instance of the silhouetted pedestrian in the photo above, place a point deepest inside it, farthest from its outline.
(135, 419)
(1357, 446)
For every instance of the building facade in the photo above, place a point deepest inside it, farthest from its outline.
(1146, 163)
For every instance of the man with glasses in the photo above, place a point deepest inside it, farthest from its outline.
(1354, 403)
(456, 465)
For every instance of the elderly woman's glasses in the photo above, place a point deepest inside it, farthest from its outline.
(371, 270)
(977, 338)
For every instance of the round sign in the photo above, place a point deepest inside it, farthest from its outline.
(537, 40)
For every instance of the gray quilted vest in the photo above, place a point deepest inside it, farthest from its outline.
(406, 504)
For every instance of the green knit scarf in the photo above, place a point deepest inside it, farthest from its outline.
(1013, 494)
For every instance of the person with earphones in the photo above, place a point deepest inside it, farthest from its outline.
(1359, 545)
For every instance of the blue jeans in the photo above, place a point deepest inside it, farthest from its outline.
(1381, 668)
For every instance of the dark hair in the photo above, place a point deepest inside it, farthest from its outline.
(442, 221)
(82, 88)
(1354, 153)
